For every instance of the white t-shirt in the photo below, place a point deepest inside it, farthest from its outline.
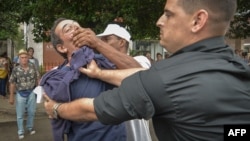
(138, 129)
(145, 63)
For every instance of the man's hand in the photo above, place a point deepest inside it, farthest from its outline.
(92, 70)
(81, 109)
(85, 36)
(11, 100)
(48, 105)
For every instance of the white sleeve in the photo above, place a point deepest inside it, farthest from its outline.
(145, 63)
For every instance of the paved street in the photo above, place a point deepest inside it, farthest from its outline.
(8, 127)
(8, 131)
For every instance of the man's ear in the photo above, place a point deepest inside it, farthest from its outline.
(60, 48)
(123, 42)
(199, 20)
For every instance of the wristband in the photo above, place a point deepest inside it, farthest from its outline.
(55, 112)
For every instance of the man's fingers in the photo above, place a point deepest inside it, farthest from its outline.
(76, 36)
(79, 33)
(81, 37)
(80, 42)
(93, 63)
(83, 70)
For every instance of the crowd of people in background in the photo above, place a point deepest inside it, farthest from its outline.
(6, 66)
(241, 53)
(158, 55)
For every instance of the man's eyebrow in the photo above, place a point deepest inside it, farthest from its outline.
(64, 26)
(168, 11)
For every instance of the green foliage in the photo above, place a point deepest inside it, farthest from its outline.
(42, 70)
(139, 16)
(9, 26)
(19, 41)
(240, 26)
(9, 19)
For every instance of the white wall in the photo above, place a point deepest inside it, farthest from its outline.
(38, 47)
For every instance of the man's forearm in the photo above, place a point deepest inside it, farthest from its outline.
(78, 110)
(121, 60)
(12, 89)
(115, 77)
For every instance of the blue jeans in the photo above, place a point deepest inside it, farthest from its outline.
(3, 86)
(21, 104)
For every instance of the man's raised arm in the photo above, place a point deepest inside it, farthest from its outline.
(114, 77)
(85, 36)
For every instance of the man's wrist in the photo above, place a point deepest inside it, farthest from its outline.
(55, 110)
(99, 74)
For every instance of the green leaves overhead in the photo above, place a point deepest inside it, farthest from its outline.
(139, 16)
(240, 26)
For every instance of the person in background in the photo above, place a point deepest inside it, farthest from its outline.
(32, 59)
(23, 80)
(167, 55)
(158, 57)
(244, 55)
(15, 61)
(191, 95)
(238, 52)
(249, 61)
(10, 67)
(148, 55)
(4, 71)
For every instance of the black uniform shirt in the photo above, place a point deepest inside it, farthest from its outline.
(190, 95)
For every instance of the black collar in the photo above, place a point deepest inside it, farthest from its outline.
(214, 44)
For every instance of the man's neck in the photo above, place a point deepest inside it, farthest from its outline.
(24, 66)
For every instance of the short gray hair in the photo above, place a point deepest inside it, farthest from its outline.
(55, 39)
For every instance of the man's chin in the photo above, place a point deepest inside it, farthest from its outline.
(161, 43)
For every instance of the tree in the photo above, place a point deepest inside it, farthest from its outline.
(139, 16)
(8, 18)
(240, 26)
